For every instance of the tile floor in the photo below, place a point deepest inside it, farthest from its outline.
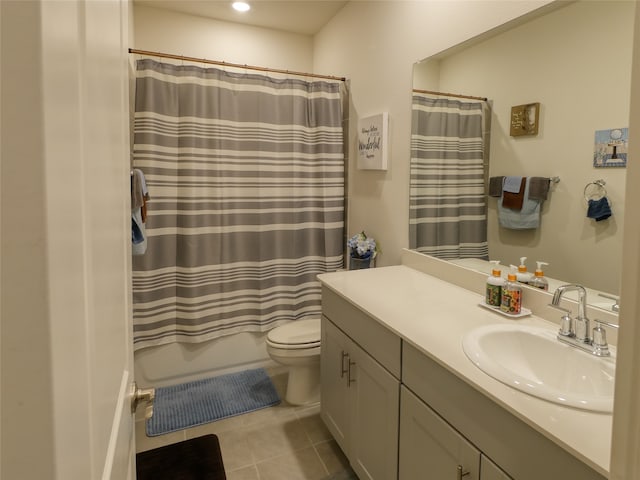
(283, 442)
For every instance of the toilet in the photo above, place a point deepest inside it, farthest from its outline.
(297, 345)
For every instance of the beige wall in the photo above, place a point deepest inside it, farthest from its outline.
(375, 44)
(165, 31)
(581, 75)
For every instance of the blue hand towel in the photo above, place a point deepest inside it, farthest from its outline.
(599, 209)
(512, 184)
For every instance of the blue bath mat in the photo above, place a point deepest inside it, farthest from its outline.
(203, 401)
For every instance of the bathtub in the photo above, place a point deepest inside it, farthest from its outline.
(184, 362)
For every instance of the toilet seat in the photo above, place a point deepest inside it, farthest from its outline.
(296, 335)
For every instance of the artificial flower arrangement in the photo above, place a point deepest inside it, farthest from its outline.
(362, 247)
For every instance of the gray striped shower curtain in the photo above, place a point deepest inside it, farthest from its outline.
(447, 214)
(246, 182)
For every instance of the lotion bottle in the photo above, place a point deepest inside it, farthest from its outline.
(523, 276)
(538, 279)
(511, 303)
(495, 282)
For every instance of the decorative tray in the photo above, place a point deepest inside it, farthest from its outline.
(523, 311)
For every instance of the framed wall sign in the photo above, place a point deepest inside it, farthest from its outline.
(611, 148)
(525, 119)
(372, 142)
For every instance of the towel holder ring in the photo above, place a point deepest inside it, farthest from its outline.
(595, 190)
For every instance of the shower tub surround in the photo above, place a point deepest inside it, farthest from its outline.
(430, 305)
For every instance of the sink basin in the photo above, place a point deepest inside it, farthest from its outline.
(532, 360)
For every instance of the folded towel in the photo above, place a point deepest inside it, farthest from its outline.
(495, 186)
(525, 218)
(512, 184)
(514, 200)
(599, 209)
(539, 188)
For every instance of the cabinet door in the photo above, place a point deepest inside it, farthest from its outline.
(375, 397)
(429, 448)
(490, 471)
(334, 402)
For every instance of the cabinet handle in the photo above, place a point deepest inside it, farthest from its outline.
(461, 473)
(349, 379)
(342, 369)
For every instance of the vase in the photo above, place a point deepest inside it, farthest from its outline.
(359, 263)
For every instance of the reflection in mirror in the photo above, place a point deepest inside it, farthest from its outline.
(579, 72)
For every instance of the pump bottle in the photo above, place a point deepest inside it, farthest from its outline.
(495, 282)
(523, 276)
(511, 303)
(538, 279)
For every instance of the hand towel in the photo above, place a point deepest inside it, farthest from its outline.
(539, 188)
(525, 218)
(512, 184)
(515, 199)
(495, 186)
(599, 209)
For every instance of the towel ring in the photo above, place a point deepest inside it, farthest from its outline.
(595, 190)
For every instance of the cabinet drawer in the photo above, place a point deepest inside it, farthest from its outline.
(382, 344)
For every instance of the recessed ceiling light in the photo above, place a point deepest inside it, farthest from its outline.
(241, 6)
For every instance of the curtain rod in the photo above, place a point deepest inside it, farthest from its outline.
(237, 65)
(456, 95)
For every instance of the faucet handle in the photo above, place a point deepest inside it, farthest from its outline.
(608, 324)
(600, 345)
(616, 306)
(565, 321)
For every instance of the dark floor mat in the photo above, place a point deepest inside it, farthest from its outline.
(195, 459)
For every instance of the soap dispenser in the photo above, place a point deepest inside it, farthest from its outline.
(523, 276)
(538, 279)
(511, 303)
(495, 282)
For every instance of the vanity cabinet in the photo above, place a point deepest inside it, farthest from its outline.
(521, 452)
(398, 413)
(359, 396)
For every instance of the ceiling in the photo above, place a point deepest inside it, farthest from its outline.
(302, 16)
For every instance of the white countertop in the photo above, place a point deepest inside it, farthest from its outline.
(434, 315)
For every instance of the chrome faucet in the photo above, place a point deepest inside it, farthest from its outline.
(580, 327)
(576, 332)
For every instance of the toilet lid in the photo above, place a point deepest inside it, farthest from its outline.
(296, 333)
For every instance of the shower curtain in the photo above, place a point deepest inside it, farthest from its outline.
(447, 216)
(246, 182)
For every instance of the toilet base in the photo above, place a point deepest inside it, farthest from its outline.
(303, 384)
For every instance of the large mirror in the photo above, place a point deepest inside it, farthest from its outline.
(574, 60)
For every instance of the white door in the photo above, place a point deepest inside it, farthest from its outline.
(66, 323)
